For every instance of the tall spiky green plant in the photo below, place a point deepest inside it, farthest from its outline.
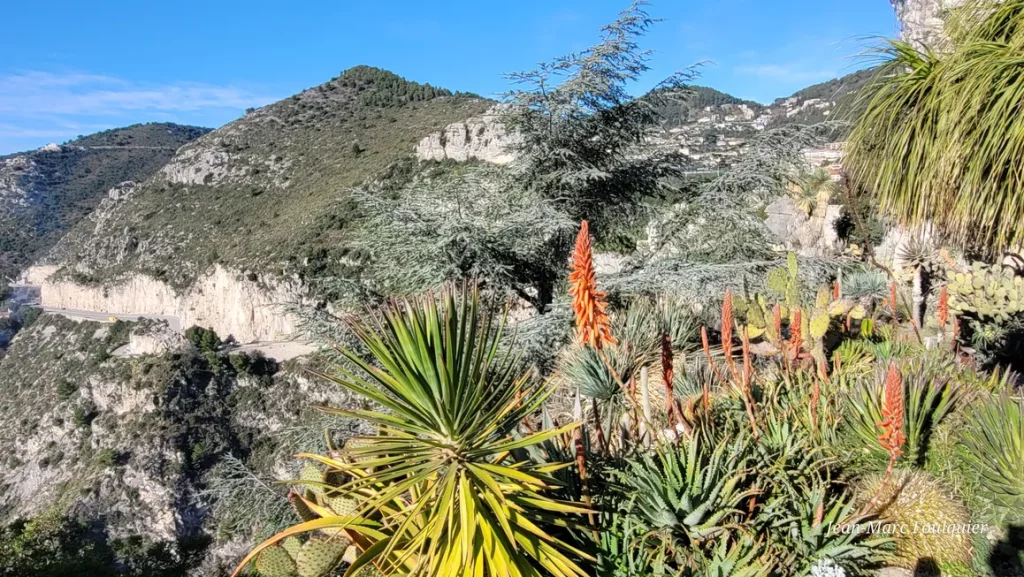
(942, 136)
(995, 450)
(444, 486)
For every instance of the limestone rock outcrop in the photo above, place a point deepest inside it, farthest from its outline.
(807, 235)
(922, 22)
(479, 138)
(231, 303)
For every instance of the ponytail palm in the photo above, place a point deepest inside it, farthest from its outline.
(942, 136)
(444, 486)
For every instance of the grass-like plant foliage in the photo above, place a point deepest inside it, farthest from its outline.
(446, 488)
(942, 135)
(995, 450)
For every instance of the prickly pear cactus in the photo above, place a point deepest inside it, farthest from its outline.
(785, 282)
(987, 291)
(314, 475)
(369, 571)
(342, 506)
(275, 561)
(819, 324)
(292, 546)
(318, 556)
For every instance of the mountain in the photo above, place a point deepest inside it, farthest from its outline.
(46, 192)
(129, 425)
(830, 100)
(267, 192)
(713, 128)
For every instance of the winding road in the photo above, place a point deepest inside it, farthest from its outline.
(173, 322)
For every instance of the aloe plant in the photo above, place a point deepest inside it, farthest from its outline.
(929, 397)
(688, 493)
(444, 486)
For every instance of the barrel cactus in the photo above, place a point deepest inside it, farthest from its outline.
(926, 521)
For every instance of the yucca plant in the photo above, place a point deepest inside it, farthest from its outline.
(812, 191)
(445, 488)
(994, 443)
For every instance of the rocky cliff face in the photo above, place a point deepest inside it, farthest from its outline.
(922, 21)
(479, 138)
(45, 192)
(229, 302)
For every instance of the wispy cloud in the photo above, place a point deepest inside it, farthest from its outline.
(37, 107)
(37, 93)
(786, 73)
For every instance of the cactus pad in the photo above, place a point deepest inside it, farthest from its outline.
(819, 324)
(274, 561)
(292, 546)
(317, 557)
(342, 506)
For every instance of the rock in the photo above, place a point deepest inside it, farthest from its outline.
(609, 263)
(479, 138)
(895, 572)
(225, 300)
(923, 21)
(154, 340)
(809, 236)
(785, 220)
(52, 147)
(830, 235)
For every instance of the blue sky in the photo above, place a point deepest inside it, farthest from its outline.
(73, 67)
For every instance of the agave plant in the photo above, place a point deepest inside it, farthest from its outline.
(865, 285)
(995, 450)
(445, 488)
(811, 536)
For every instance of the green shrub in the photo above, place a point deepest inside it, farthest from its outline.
(84, 414)
(204, 340)
(65, 388)
(107, 458)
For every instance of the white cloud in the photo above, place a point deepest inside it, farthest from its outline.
(36, 93)
(38, 107)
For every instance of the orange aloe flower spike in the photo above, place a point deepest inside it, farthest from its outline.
(796, 337)
(588, 303)
(943, 308)
(892, 438)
